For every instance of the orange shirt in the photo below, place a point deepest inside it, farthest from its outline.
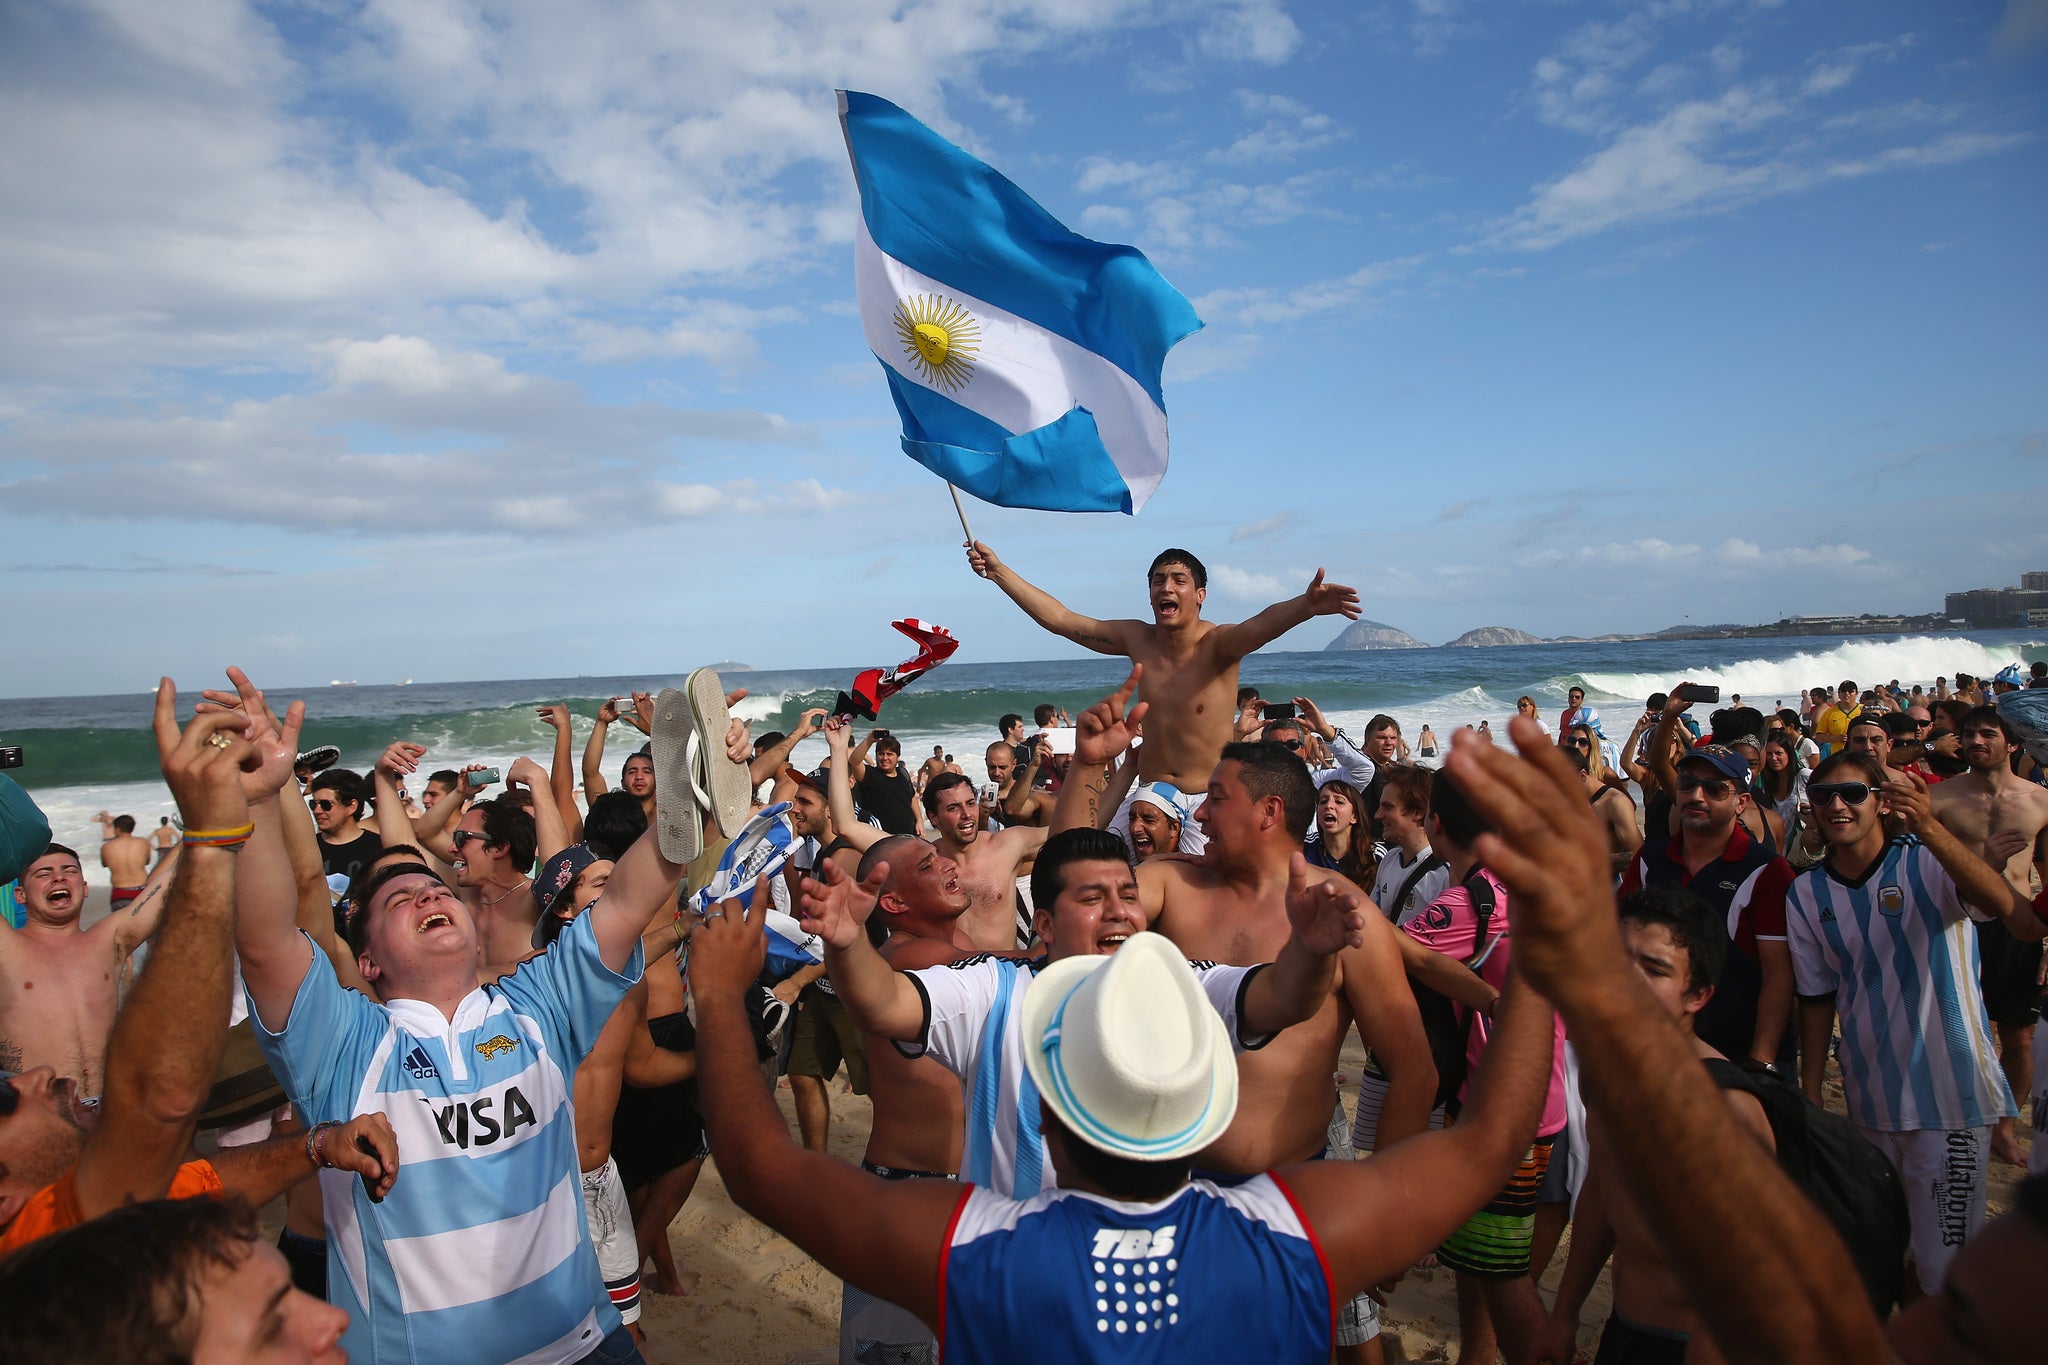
(55, 1207)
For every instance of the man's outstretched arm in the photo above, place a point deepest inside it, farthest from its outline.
(1769, 1277)
(1318, 599)
(882, 1237)
(167, 1040)
(1104, 637)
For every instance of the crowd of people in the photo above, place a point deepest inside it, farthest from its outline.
(1744, 999)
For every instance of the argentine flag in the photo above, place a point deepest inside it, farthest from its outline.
(1024, 359)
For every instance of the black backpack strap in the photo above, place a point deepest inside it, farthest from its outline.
(1428, 864)
(1483, 905)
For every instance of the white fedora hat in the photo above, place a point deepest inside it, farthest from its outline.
(1129, 1053)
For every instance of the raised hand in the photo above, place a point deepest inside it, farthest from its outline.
(1328, 916)
(837, 741)
(527, 773)
(1106, 729)
(555, 717)
(274, 743)
(1250, 719)
(642, 716)
(400, 760)
(982, 560)
(739, 745)
(608, 712)
(836, 908)
(202, 765)
(811, 721)
(1312, 716)
(1332, 599)
(1551, 851)
(467, 790)
(342, 1148)
(726, 951)
(1907, 793)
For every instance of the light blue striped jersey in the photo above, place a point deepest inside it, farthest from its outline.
(480, 1252)
(973, 1012)
(1898, 952)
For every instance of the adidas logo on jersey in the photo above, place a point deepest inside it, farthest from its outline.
(1827, 914)
(419, 1065)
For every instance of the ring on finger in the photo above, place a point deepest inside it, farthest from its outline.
(219, 741)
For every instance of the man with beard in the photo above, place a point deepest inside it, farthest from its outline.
(988, 862)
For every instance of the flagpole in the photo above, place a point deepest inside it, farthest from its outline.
(962, 513)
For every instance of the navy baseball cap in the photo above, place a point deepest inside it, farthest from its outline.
(557, 875)
(1726, 761)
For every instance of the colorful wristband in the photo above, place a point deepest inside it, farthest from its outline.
(219, 838)
(313, 1136)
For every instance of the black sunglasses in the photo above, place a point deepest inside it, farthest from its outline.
(1289, 743)
(1851, 793)
(1576, 743)
(1713, 786)
(321, 805)
(463, 836)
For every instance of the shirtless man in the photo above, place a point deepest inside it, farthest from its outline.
(2001, 818)
(1677, 948)
(919, 1118)
(125, 856)
(1017, 796)
(1231, 908)
(989, 862)
(163, 839)
(1190, 664)
(59, 985)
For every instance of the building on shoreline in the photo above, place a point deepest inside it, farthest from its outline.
(2026, 605)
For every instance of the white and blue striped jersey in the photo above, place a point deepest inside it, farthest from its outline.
(1209, 1274)
(1898, 952)
(480, 1252)
(973, 1026)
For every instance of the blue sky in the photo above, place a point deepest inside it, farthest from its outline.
(435, 339)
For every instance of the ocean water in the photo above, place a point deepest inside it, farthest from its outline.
(84, 754)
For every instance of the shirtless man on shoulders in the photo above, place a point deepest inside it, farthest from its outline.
(2002, 819)
(1677, 948)
(1190, 664)
(918, 1117)
(60, 985)
(125, 856)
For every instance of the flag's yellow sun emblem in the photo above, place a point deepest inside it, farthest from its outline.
(940, 339)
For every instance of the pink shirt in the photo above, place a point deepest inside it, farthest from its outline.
(1450, 926)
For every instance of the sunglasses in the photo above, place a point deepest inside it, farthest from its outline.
(1290, 743)
(1713, 786)
(321, 805)
(1585, 744)
(465, 836)
(1851, 793)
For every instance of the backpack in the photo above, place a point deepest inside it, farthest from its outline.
(1446, 1023)
(1847, 1178)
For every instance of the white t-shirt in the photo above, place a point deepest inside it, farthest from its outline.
(1394, 869)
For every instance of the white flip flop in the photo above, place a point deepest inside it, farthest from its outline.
(725, 787)
(679, 820)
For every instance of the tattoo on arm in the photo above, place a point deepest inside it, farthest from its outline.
(1104, 640)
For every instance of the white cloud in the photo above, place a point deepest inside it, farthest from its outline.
(1729, 556)
(1241, 585)
(1265, 527)
(1258, 306)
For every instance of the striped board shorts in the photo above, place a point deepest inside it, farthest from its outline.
(1494, 1242)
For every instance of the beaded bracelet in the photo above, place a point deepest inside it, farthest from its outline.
(313, 1136)
(219, 838)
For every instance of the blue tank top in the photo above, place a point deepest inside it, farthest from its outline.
(1206, 1275)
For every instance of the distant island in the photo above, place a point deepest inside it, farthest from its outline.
(1374, 635)
(1493, 635)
